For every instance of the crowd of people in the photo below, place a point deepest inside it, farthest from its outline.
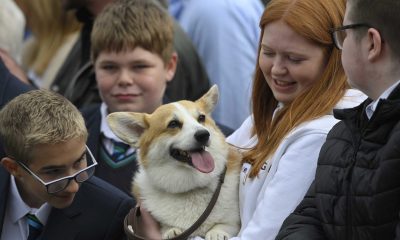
(309, 96)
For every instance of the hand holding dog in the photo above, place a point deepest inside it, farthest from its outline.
(183, 157)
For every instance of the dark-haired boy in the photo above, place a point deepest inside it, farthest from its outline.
(356, 192)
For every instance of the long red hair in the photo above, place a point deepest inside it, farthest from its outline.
(313, 20)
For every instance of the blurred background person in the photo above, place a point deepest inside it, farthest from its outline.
(12, 26)
(225, 34)
(53, 32)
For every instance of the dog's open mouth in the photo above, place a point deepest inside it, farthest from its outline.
(198, 158)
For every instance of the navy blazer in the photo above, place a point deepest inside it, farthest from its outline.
(97, 212)
(92, 118)
(10, 87)
(120, 177)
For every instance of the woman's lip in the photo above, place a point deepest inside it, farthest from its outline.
(283, 86)
(283, 83)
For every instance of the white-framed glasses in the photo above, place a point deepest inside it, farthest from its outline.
(60, 184)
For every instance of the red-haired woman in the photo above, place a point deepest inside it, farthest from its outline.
(299, 80)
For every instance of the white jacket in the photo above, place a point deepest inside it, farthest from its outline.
(266, 200)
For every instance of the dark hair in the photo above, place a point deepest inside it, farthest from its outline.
(380, 14)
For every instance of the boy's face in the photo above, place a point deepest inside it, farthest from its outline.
(133, 81)
(49, 162)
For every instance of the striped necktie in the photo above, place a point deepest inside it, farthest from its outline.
(119, 151)
(35, 227)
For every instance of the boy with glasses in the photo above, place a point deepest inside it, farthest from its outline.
(356, 191)
(45, 178)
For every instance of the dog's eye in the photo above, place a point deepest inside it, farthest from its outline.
(174, 124)
(201, 118)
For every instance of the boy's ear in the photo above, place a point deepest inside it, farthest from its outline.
(209, 100)
(128, 126)
(11, 166)
(171, 66)
(374, 44)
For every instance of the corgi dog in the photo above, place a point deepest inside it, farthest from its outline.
(182, 154)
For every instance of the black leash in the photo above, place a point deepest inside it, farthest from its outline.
(131, 221)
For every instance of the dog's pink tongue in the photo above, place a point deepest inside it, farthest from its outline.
(202, 161)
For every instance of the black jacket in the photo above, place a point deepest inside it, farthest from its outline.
(10, 87)
(97, 212)
(121, 177)
(356, 191)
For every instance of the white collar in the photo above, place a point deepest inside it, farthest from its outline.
(370, 109)
(18, 208)
(104, 127)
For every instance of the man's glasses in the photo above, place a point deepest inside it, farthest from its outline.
(60, 184)
(339, 34)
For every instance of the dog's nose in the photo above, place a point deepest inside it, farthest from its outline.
(202, 136)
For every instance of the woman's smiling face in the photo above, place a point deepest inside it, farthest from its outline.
(290, 63)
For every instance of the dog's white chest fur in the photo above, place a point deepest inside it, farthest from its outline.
(182, 155)
(181, 210)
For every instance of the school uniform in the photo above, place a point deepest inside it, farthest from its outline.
(97, 212)
(101, 141)
(98, 209)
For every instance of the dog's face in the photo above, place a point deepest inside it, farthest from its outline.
(178, 142)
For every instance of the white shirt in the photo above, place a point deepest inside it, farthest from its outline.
(370, 109)
(266, 200)
(108, 133)
(15, 224)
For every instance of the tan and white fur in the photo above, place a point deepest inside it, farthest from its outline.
(182, 153)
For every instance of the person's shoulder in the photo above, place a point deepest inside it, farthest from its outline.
(90, 110)
(104, 190)
(243, 134)
(10, 86)
(320, 125)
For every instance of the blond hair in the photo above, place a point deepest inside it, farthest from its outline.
(38, 117)
(127, 24)
(313, 20)
(51, 26)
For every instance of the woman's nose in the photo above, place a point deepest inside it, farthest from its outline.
(278, 67)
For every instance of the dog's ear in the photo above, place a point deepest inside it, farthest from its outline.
(128, 126)
(210, 99)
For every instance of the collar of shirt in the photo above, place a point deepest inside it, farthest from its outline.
(370, 109)
(18, 208)
(105, 128)
(108, 133)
